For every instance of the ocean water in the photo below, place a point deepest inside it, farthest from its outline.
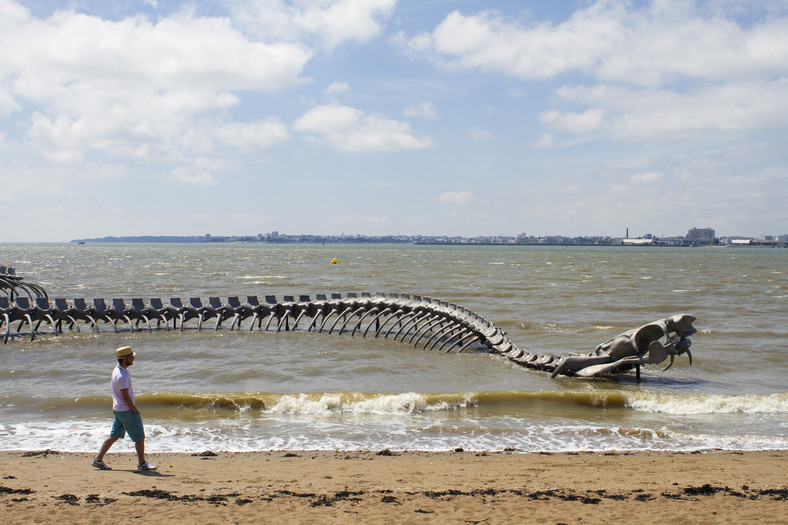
(250, 390)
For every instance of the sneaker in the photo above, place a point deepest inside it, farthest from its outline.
(144, 467)
(100, 465)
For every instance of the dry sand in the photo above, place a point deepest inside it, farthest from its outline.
(397, 487)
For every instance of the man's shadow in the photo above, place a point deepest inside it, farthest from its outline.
(150, 473)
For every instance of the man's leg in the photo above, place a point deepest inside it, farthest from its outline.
(105, 447)
(140, 446)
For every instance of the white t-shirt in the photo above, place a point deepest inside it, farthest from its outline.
(121, 379)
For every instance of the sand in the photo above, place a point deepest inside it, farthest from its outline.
(397, 487)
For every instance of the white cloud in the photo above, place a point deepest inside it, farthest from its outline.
(325, 120)
(193, 177)
(332, 22)
(123, 124)
(651, 177)
(665, 43)
(668, 70)
(424, 110)
(350, 129)
(703, 112)
(455, 197)
(613, 41)
(252, 136)
(7, 104)
(201, 174)
(206, 54)
(480, 134)
(337, 87)
(489, 41)
(57, 138)
(545, 140)
(573, 122)
(131, 87)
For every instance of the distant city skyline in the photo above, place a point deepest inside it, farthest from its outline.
(694, 236)
(392, 117)
(273, 236)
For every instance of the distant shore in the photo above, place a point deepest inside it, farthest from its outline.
(423, 240)
(398, 487)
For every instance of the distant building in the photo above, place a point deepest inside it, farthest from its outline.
(700, 235)
(642, 241)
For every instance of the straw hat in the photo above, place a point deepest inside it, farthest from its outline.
(124, 352)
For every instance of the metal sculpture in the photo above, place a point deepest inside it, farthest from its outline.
(12, 286)
(652, 343)
(432, 323)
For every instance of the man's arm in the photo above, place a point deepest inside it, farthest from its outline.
(124, 392)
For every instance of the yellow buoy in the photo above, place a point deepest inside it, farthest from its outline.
(334, 260)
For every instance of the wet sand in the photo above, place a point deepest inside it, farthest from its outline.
(397, 487)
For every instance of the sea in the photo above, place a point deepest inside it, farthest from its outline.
(245, 390)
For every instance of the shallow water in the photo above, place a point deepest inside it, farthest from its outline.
(246, 390)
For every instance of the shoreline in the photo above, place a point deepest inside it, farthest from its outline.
(396, 487)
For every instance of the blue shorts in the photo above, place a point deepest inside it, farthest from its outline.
(127, 422)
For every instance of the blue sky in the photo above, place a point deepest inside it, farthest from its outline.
(382, 117)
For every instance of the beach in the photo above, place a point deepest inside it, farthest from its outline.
(397, 487)
(329, 427)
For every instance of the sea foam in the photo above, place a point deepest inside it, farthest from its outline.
(696, 404)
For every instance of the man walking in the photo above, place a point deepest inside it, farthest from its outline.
(127, 417)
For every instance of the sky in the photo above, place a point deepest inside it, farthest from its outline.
(392, 117)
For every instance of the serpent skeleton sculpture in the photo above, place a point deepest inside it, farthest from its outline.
(13, 286)
(438, 325)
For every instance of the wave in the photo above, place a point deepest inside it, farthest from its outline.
(316, 403)
(697, 404)
(323, 403)
(511, 401)
(427, 434)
